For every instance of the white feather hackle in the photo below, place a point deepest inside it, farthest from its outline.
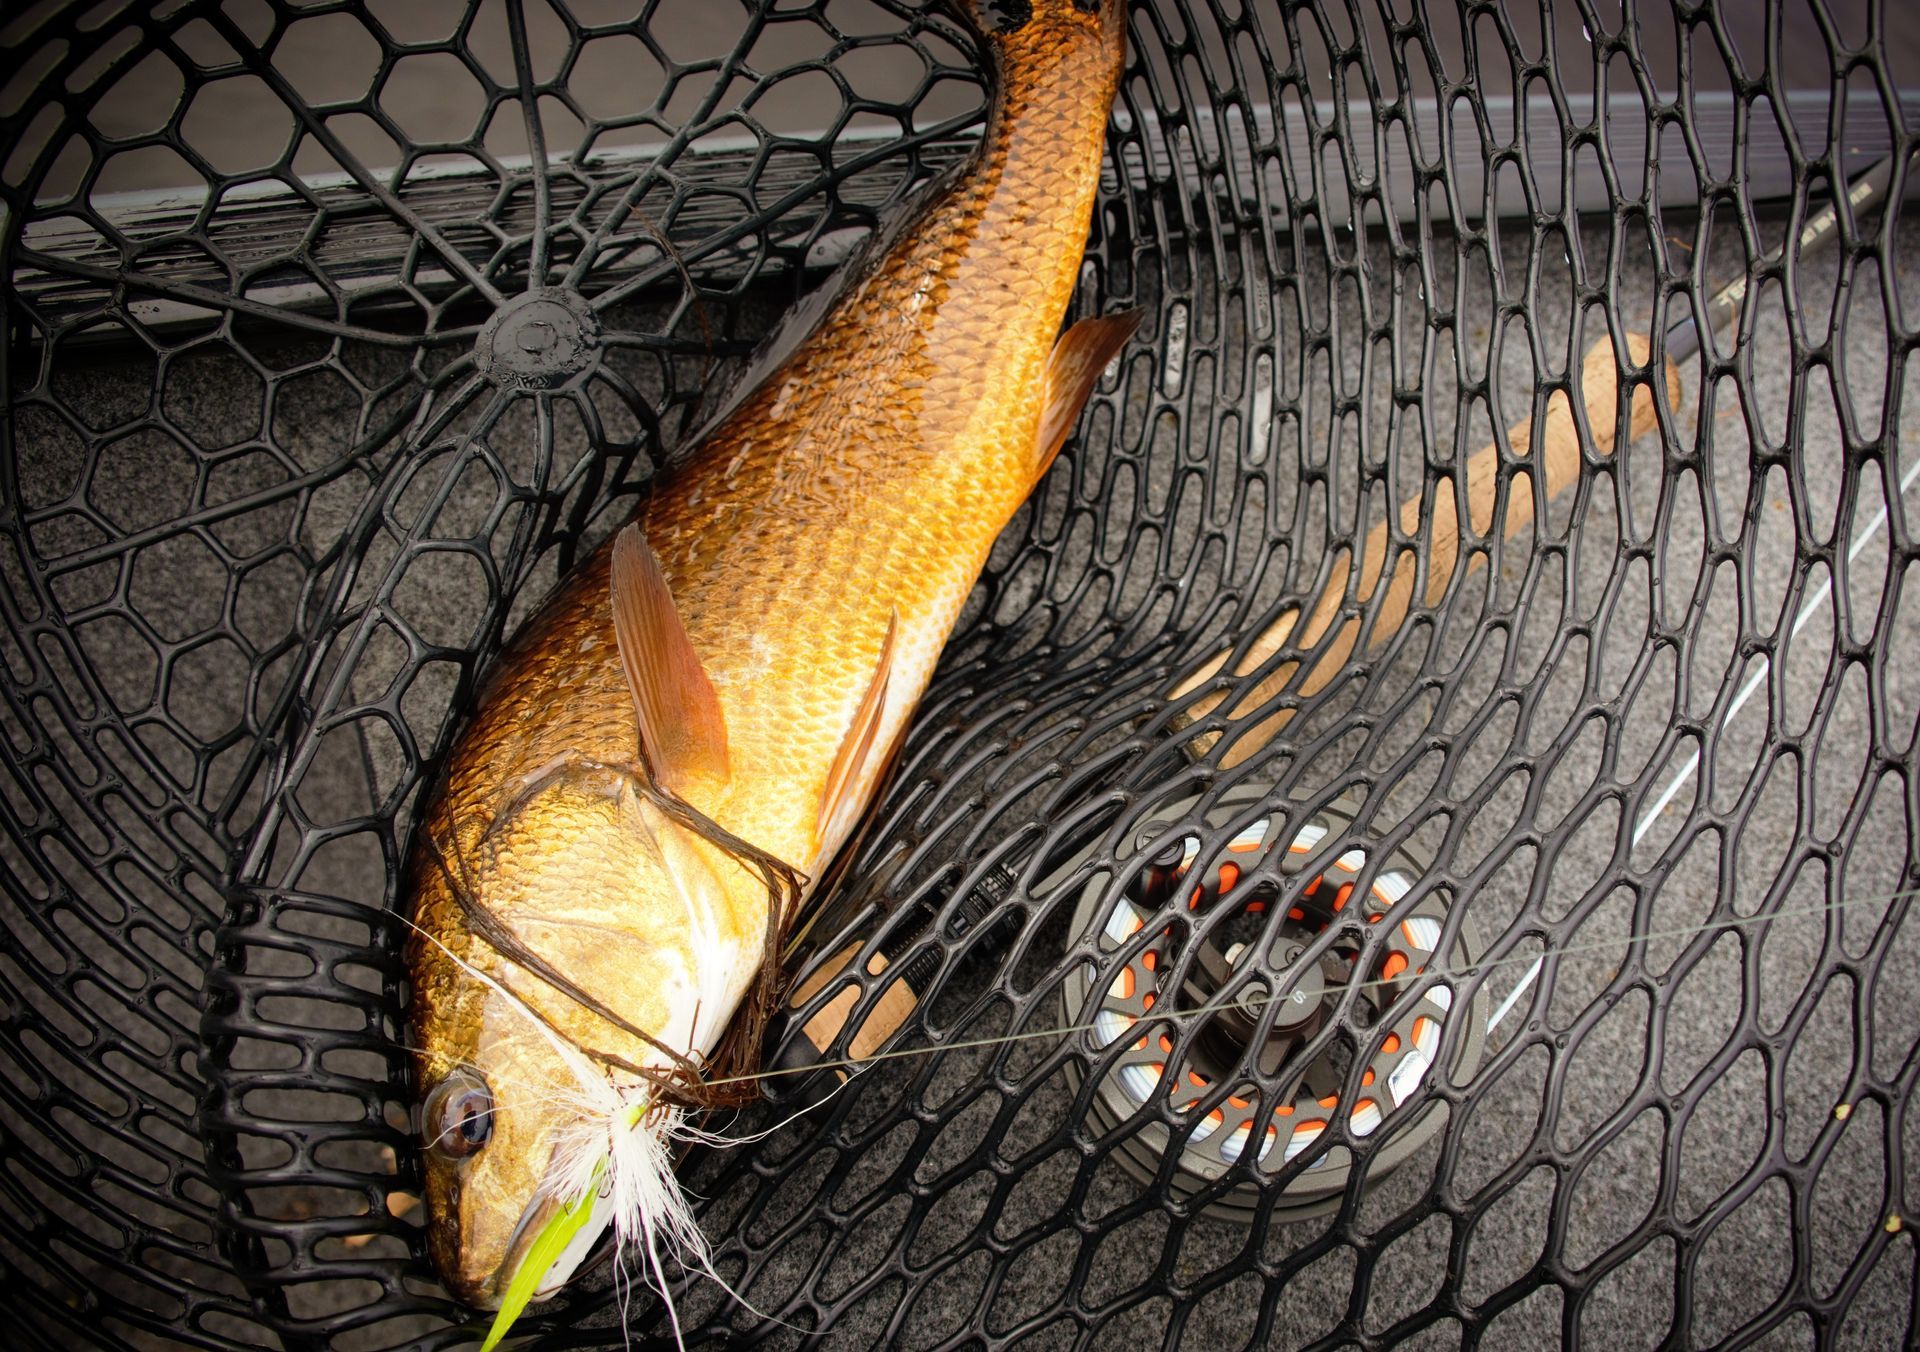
(620, 1150)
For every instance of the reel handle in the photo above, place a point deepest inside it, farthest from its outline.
(1557, 461)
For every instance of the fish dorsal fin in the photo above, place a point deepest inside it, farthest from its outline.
(681, 726)
(1072, 371)
(839, 805)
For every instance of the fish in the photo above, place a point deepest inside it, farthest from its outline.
(665, 758)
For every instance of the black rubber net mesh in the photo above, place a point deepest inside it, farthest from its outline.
(1641, 767)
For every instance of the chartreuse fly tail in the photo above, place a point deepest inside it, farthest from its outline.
(548, 1246)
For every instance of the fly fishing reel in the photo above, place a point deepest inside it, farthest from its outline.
(1341, 967)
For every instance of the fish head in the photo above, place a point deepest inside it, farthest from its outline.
(573, 924)
(491, 1164)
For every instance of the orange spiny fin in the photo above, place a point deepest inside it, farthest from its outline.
(1072, 371)
(839, 805)
(681, 727)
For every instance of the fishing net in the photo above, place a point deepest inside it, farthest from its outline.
(337, 331)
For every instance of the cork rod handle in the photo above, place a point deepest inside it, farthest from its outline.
(1558, 461)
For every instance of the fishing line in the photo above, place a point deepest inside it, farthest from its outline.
(1754, 681)
(1746, 693)
(560, 1042)
(681, 1131)
(1261, 1001)
(494, 931)
(1537, 963)
(682, 1084)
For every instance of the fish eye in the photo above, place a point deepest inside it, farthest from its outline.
(459, 1114)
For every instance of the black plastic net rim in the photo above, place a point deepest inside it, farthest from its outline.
(962, 708)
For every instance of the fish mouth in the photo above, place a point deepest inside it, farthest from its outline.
(533, 1219)
(526, 1232)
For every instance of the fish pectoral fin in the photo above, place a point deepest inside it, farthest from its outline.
(682, 728)
(840, 804)
(1072, 371)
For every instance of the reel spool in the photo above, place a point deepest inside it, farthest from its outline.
(1303, 970)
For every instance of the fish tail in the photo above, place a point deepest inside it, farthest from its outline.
(1073, 49)
(1020, 27)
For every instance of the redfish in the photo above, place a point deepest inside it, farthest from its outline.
(691, 725)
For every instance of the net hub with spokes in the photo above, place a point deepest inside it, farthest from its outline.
(546, 339)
